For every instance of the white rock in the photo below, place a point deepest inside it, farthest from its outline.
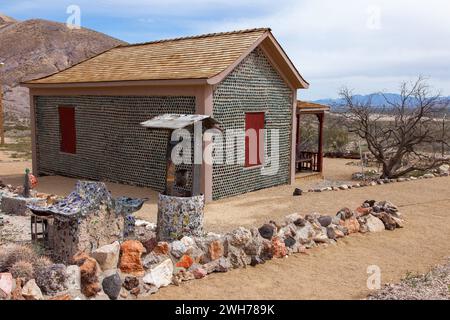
(73, 281)
(177, 248)
(343, 187)
(141, 223)
(292, 217)
(304, 234)
(239, 237)
(398, 222)
(107, 256)
(444, 168)
(188, 242)
(374, 224)
(146, 224)
(214, 235)
(31, 291)
(320, 236)
(161, 275)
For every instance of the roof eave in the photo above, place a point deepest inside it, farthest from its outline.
(120, 83)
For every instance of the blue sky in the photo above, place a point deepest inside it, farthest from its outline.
(365, 45)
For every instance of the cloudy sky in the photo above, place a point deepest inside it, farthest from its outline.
(366, 45)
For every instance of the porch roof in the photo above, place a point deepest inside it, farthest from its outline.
(311, 107)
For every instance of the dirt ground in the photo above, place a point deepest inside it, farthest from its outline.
(336, 272)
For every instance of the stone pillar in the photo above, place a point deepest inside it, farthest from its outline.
(179, 216)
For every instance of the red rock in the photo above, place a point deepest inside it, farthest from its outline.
(185, 262)
(215, 249)
(162, 248)
(130, 260)
(351, 224)
(199, 273)
(150, 244)
(278, 248)
(360, 211)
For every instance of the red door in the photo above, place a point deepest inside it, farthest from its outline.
(68, 137)
(254, 122)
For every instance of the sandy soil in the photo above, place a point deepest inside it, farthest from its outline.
(337, 272)
(340, 272)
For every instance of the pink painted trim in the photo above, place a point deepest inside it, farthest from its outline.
(177, 82)
(205, 106)
(293, 136)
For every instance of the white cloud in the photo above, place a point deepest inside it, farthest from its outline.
(366, 44)
(329, 41)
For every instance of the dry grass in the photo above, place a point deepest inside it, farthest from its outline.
(20, 148)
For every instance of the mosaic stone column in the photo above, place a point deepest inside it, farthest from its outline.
(179, 216)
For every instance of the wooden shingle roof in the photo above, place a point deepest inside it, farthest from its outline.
(197, 57)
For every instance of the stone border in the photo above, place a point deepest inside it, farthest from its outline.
(380, 182)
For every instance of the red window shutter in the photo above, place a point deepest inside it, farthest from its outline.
(68, 137)
(253, 121)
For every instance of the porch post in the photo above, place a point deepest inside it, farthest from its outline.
(320, 116)
(204, 105)
(293, 141)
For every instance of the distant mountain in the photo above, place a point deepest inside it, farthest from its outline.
(5, 20)
(36, 48)
(377, 99)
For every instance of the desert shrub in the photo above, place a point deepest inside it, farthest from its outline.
(13, 253)
(22, 269)
(336, 139)
(10, 254)
(40, 265)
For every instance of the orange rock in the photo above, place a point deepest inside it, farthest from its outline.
(16, 294)
(79, 258)
(161, 248)
(351, 224)
(130, 260)
(185, 262)
(90, 285)
(215, 249)
(278, 248)
(62, 297)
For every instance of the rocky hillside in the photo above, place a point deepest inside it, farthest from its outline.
(36, 48)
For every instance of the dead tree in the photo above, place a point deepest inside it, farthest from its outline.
(403, 135)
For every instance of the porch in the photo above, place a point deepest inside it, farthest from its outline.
(309, 144)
